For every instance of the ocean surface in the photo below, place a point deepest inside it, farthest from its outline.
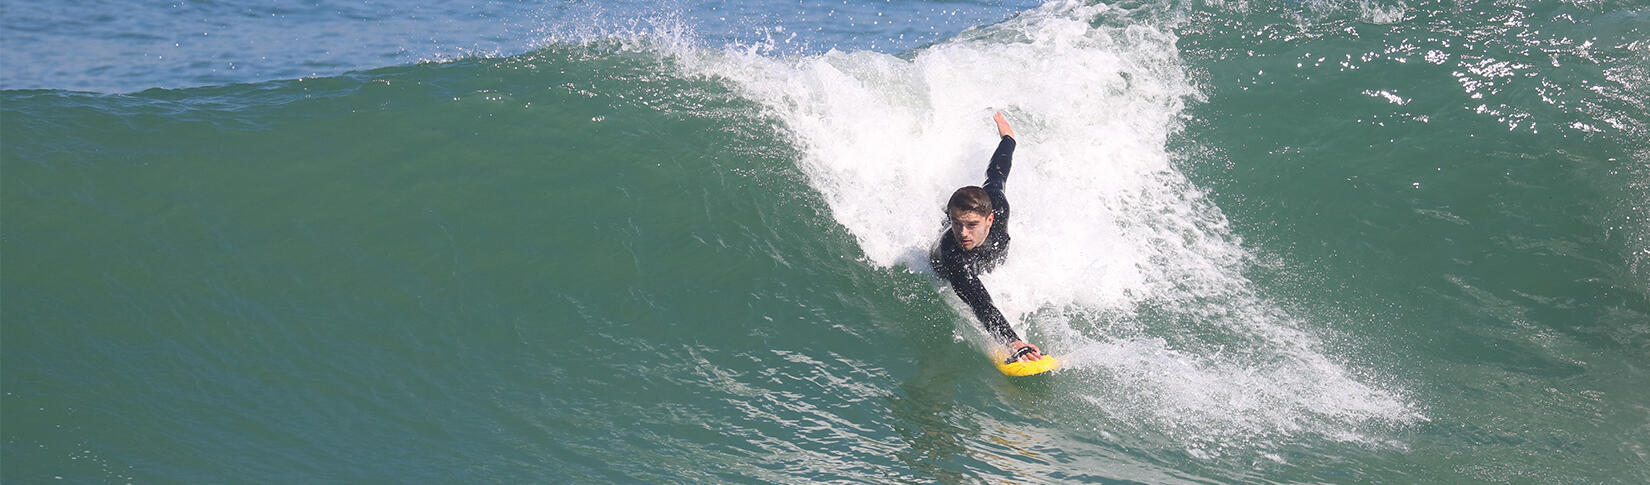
(387, 241)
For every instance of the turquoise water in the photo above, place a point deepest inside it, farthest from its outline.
(1274, 241)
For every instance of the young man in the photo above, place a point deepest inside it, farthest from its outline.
(977, 240)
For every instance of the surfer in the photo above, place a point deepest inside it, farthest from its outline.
(976, 240)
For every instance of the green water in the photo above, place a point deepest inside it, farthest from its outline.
(1490, 252)
(623, 261)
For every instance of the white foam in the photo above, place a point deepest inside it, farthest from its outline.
(1118, 261)
(1101, 216)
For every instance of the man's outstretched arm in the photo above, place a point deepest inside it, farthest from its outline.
(996, 174)
(972, 291)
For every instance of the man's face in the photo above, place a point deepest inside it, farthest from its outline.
(970, 228)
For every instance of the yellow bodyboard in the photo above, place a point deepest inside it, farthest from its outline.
(1024, 367)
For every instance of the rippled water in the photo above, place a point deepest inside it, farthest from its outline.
(613, 242)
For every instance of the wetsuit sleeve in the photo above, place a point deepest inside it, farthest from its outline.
(972, 291)
(996, 174)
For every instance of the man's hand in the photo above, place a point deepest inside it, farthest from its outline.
(1003, 130)
(1035, 354)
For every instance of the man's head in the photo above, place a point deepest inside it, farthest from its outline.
(971, 217)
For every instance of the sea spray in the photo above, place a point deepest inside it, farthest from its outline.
(1119, 263)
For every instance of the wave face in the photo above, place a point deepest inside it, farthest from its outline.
(1274, 241)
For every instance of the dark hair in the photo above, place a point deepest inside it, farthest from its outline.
(969, 199)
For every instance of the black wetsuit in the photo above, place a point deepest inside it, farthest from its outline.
(962, 268)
